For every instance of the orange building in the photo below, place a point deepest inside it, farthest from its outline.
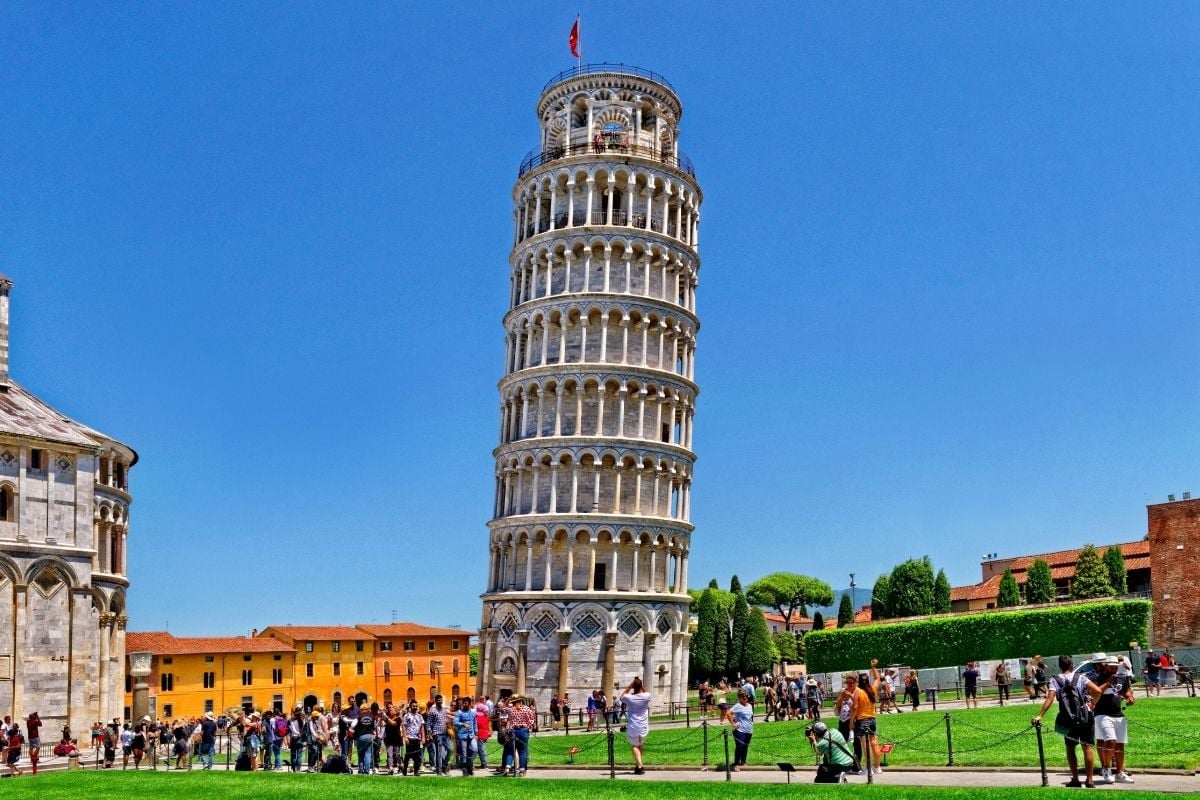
(415, 662)
(333, 662)
(191, 675)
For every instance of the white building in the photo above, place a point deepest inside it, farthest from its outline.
(64, 515)
(587, 586)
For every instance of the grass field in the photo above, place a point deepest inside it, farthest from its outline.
(1162, 734)
(219, 785)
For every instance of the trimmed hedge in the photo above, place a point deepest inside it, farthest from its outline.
(944, 641)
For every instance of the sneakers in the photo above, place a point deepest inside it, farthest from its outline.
(1123, 778)
(1106, 775)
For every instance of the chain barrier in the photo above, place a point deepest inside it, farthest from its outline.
(1007, 738)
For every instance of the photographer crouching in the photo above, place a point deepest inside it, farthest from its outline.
(833, 756)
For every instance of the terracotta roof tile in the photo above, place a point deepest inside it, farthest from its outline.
(410, 629)
(163, 643)
(319, 633)
(1063, 558)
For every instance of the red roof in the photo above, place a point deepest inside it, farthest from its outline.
(410, 629)
(319, 633)
(163, 643)
(1062, 567)
(1067, 558)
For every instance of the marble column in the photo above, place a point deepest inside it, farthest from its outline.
(522, 658)
(648, 640)
(564, 660)
(610, 665)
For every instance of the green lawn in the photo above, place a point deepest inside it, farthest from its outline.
(219, 785)
(1162, 734)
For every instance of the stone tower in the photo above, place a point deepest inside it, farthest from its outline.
(589, 541)
(64, 516)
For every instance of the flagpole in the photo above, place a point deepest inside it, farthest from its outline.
(579, 29)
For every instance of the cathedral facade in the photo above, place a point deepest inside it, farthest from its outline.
(64, 517)
(590, 536)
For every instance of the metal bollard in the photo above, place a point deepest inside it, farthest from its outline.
(949, 744)
(704, 727)
(728, 771)
(687, 711)
(612, 759)
(1041, 753)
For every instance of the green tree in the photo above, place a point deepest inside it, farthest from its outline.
(818, 623)
(910, 588)
(1091, 576)
(785, 645)
(1115, 563)
(740, 630)
(473, 661)
(1010, 593)
(880, 595)
(703, 646)
(788, 593)
(735, 585)
(720, 646)
(941, 593)
(845, 612)
(1039, 583)
(759, 652)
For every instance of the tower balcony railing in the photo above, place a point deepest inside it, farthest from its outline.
(608, 147)
(605, 68)
(635, 220)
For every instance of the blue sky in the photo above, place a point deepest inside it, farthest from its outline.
(948, 294)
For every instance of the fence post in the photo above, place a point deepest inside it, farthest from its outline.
(1041, 753)
(704, 727)
(687, 711)
(612, 759)
(936, 690)
(949, 744)
(725, 736)
(228, 749)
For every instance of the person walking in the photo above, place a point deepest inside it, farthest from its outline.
(1074, 721)
(208, 739)
(637, 725)
(555, 712)
(741, 717)
(437, 723)
(483, 731)
(1112, 731)
(912, 689)
(1153, 669)
(1002, 681)
(522, 721)
(466, 730)
(13, 749)
(33, 728)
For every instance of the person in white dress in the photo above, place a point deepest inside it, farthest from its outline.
(637, 725)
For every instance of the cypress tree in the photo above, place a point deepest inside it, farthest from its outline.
(818, 621)
(1010, 593)
(1091, 576)
(1114, 562)
(702, 644)
(1039, 583)
(759, 652)
(845, 611)
(735, 585)
(740, 631)
(879, 598)
(941, 593)
(720, 643)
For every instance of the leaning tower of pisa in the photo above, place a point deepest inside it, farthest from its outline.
(590, 536)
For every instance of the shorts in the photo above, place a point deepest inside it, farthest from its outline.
(1112, 728)
(1082, 734)
(1152, 678)
(556, 714)
(14, 756)
(864, 727)
(971, 691)
(797, 704)
(636, 738)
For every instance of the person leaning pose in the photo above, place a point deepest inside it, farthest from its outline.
(741, 717)
(637, 726)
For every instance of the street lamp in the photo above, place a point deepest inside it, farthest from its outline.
(853, 596)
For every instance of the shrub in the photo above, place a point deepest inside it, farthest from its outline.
(943, 641)
(1091, 576)
(1010, 593)
(1039, 583)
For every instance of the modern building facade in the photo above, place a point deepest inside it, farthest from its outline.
(589, 541)
(64, 524)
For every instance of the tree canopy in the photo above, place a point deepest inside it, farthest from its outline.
(1091, 576)
(785, 645)
(910, 588)
(941, 593)
(818, 621)
(759, 652)
(1114, 562)
(845, 612)
(739, 636)
(879, 598)
(1010, 593)
(788, 593)
(1039, 583)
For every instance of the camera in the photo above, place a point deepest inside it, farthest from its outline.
(808, 731)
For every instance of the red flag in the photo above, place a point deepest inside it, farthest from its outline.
(573, 39)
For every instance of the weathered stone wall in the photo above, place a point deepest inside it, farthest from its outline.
(1174, 530)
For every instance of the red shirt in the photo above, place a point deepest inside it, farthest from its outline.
(522, 718)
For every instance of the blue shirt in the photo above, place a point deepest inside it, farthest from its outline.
(743, 718)
(464, 724)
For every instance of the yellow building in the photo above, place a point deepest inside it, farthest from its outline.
(192, 675)
(333, 662)
(415, 662)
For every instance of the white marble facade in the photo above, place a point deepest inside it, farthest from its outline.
(591, 531)
(64, 511)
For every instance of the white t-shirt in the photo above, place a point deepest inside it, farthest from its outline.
(637, 712)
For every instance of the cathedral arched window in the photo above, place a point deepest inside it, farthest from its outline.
(8, 505)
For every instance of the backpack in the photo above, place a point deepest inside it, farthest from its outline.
(281, 726)
(1073, 711)
(243, 762)
(336, 765)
